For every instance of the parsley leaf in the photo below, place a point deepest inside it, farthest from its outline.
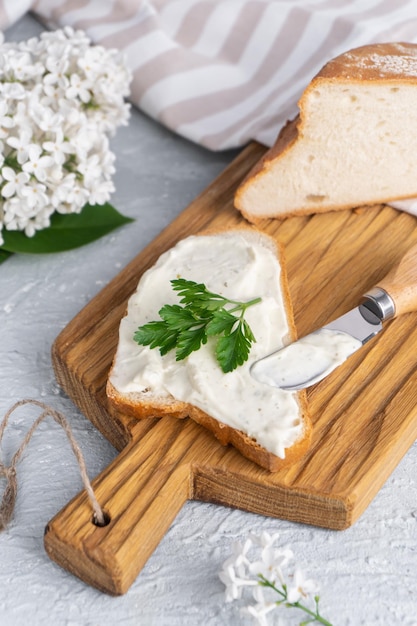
(157, 335)
(233, 350)
(221, 322)
(203, 314)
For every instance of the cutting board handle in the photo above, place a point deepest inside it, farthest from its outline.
(141, 492)
(401, 283)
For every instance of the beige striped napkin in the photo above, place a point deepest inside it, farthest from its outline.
(224, 72)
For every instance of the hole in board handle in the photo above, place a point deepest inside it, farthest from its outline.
(106, 522)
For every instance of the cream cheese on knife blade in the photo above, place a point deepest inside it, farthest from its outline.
(243, 271)
(311, 358)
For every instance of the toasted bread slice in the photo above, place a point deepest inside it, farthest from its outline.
(352, 144)
(267, 425)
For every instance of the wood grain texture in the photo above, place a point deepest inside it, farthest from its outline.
(364, 414)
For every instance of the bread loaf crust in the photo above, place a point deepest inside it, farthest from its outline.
(393, 64)
(373, 62)
(146, 405)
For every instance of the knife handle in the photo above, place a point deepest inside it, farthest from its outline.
(401, 283)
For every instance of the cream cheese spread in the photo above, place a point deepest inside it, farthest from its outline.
(307, 360)
(239, 267)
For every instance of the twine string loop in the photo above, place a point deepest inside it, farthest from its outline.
(8, 473)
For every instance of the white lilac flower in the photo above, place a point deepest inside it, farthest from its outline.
(261, 609)
(100, 193)
(36, 163)
(60, 100)
(264, 539)
(57, 68)
(300, 587)
(15, 181)
(35, 195)
(91, 63)
(272, 560)
(12, 91)
(239, 554)
(49, 121)
(62, 190)
(90, 168)
(83, 142)
(20, 144)
(79, 88)
(10, 222)
(234, 584)
(21, 67)
(52, 95)
(58, 147)
(76, 199)
(271, 563)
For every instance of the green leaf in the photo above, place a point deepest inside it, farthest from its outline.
(157, 335)
(178, 317)
(4, 255)
(247, 331)
(196, 295)
(221, 322)
(233, 350)
(67, 231)
(189, 341)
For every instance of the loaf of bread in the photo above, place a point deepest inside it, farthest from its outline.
(352, 144)
(267, 425)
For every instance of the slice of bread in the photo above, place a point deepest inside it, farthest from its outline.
(353, 142)
(267, 425)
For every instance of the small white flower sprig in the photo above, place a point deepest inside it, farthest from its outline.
(61, 98)
(272, 587)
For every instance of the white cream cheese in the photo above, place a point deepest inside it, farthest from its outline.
(309, 359)
(238, 267)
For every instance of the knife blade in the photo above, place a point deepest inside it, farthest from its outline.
(310, 359)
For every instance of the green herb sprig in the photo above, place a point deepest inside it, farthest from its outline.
(203, 314)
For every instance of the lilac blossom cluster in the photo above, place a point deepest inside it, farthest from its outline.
(61, 99)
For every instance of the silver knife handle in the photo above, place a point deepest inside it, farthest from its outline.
(380, 303)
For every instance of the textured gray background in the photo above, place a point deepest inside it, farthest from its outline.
(367, 574)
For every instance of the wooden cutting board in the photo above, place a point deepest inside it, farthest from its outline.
(364, 414)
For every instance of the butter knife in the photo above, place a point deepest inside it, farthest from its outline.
(310, 359)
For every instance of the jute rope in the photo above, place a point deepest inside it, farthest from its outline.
(9, 472)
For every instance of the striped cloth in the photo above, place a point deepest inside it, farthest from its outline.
(224, 72)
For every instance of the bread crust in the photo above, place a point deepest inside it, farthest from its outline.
(383, 63)
(373, 62)
(145, 405)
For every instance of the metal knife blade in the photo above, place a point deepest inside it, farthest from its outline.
(311, 358)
